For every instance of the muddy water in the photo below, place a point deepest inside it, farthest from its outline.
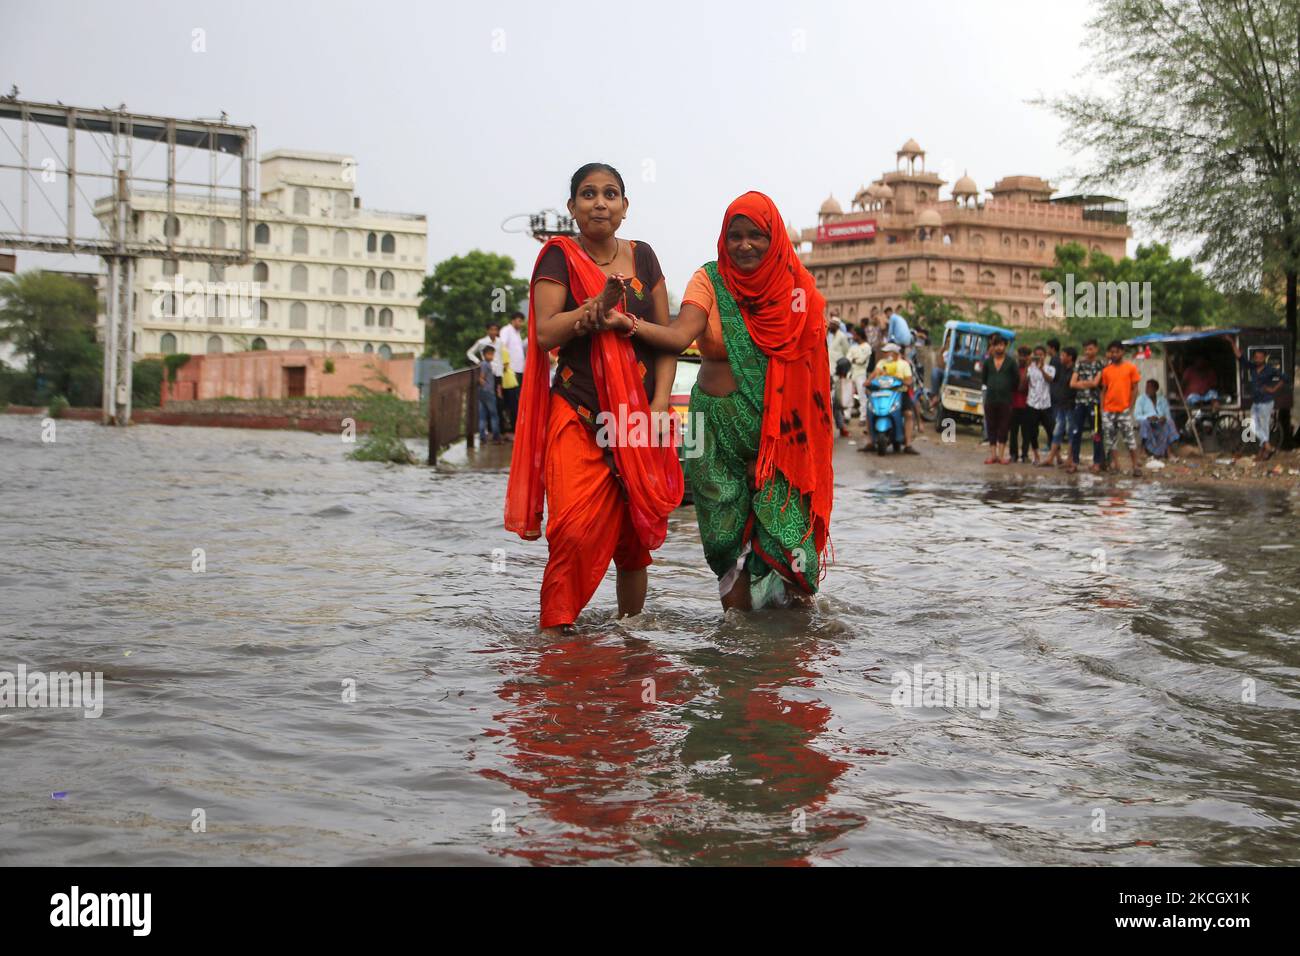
(1144, 642)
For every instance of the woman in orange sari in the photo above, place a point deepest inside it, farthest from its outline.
(762, 480)
(608, 491)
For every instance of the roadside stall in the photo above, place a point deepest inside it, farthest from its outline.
(1203, 363)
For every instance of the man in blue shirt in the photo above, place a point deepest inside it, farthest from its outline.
(1265, 383)
(897, 332)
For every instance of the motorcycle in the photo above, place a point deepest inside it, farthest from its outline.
(886, 403)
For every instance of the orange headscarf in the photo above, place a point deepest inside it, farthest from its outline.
(785, 315)
(651, 474)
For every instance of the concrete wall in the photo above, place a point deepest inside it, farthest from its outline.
(262, 375)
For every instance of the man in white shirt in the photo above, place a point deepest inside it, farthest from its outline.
(513, 344)
(492, 337)
(512, 340)
(837, 343)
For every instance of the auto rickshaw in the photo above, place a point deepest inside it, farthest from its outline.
(958, 370)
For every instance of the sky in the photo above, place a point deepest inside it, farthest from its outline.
(473, 113)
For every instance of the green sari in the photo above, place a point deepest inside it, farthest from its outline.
(773, 519)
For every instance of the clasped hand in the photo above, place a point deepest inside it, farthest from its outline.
(599, 313)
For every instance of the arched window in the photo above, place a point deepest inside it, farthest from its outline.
(958, 275)
(1017, 278)
(370, 315)
(388, 243)
(385, 352)
(171, 227)
(214, 345)
(1015, 315)
(837, 279)
(217, 233)
(339, 282)
(368, 349)
(855, 277)
(386, 281)
(167, 344)
(338, 319)
(297, 344)
(340, 241)
(167, 306)
(259, 344)
(372, 243)
(300, 202)
(299, 239)
(868, 276)
(1024, 243)
(370, 278)
(261, 272)
(262, 234)
(338, 347)
(900, 274)
(298, 316)
(987, 277)
(263, 312)
(342, 203)
(298, 279)
(385, 318)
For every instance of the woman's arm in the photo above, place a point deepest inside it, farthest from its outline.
(665, 361)
(670, 337)
(555, 327)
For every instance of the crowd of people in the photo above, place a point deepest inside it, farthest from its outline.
(500, 358)
(881, 344)
(1060, 394)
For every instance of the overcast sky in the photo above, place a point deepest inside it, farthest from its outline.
(474, 112)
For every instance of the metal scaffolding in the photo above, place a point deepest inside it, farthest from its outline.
(114, 236)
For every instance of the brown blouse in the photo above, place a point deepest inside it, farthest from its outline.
(573, 379)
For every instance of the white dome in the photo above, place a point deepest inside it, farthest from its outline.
(929, 217)
(831, 207)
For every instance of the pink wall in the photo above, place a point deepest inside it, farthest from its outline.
(262, 375)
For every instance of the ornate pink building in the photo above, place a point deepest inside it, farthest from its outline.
(974, 252)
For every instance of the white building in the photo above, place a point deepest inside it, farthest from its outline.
(326, 274)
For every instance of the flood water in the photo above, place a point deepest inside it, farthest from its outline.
(1145, 640)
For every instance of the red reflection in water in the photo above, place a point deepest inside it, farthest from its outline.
(616, 769)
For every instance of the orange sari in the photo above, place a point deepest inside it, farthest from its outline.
(593, 515)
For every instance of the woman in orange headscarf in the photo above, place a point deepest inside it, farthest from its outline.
(608, 490)
(762, 480)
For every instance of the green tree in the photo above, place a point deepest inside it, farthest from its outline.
(50, 321)
(462, 295)
(932, 311)
(1202, 110)
(146, 383)
(1180, 296)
